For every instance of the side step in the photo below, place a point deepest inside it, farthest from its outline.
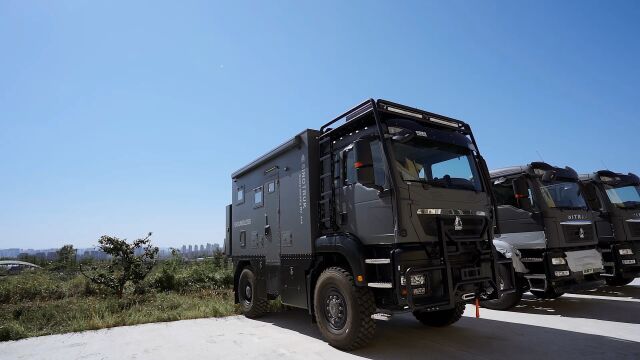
(377, 261)
(380, 285)
(381, 316)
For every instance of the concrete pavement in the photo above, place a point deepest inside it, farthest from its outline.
(599, 324)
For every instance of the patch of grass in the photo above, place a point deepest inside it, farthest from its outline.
(75, 313)
(45, 302)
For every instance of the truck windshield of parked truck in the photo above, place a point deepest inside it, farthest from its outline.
(624, 197)
(437, 164)
(563, 195)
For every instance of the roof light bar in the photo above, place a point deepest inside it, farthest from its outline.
(404, 112)
(444, 122)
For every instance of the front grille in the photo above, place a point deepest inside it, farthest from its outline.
(467, 226)
(634, 229)
(578, 233)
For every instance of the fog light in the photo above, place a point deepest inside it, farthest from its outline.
(417, 279)
(418, 291)
(625, 251)
(629, 262)
(558, 261)
(562, 273)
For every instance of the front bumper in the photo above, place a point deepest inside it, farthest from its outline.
(447, 280)
(623, 265)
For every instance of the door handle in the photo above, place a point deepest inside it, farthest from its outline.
(267, 230)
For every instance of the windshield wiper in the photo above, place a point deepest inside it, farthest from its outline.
(573, 207)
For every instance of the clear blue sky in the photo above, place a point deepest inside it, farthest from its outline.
(121, 118)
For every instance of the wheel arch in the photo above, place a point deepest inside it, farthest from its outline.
(343, 250)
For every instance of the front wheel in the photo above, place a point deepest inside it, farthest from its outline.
(440, 318)
(252, 306)
(618, 280)
(505, 302)
(547, 294)
(343, 311)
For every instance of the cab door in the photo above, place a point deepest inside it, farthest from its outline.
(365, 211)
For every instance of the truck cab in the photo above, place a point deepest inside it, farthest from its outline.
(384, 209)
(615, 198)
(546, 227)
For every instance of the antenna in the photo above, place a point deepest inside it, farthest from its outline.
(603, 164)
(540, 156)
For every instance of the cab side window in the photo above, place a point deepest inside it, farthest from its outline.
(378, 164)
(504, 194)
(349, 169)
(591, 196)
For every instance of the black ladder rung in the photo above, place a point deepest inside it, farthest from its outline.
(322, 176)
(324, 201)
(325, 157)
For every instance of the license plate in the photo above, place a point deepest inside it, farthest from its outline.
(628, 262)
(587, 271)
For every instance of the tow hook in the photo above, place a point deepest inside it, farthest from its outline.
(469, 296)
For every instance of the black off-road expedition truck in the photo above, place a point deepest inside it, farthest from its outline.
(616, 199)
(547, 229)
(386, 208)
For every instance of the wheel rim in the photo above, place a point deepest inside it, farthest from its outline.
(335, 310)
(245, 290)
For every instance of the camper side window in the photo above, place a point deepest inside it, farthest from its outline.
(240, 195)
(258, 197)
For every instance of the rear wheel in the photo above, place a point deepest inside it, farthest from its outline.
(440, 318)
(547, 294)
(252, 306)
(618, 280)
(343, 311)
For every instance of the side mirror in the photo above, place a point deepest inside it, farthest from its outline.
(364, 163)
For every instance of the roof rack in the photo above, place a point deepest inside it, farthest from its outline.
(390, 107)
(424, 116)
(350, 114)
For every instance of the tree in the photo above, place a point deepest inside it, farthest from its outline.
(130, 262)
(66, 258)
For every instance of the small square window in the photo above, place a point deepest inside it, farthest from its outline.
(243, 239)
(240, 195)
(257, 197)
(271, 187)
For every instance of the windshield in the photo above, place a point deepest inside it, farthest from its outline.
(565, 195)
(437, 164)
(625, 197)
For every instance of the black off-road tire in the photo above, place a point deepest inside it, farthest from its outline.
(548, 294)
(440, 318)
(355, 328)
(505, 302)
(618, 280)
(252, 306)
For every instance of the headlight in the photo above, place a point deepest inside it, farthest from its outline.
(625, 251)
(417, 279)
(558, 261)
(562, 273)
